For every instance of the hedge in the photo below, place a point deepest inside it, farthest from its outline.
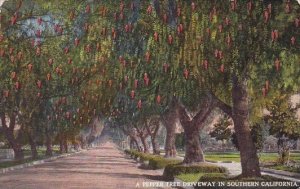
(155, 161)
(172, 170)
(160, 162)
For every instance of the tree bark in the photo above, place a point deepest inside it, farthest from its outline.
(145, 144)
(32, 142)
(170, 148)
(61, 144)
(248, 153)
(133, 141)
(49, 151)
(192, 127)
(66, 147)
(9, 134)
(152, 129)
(193, 150)
(169, 121)
(155, 145)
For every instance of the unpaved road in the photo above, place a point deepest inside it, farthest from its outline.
(104, 167)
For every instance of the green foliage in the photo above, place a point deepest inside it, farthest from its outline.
(176, 169)
(161, 162)
(221, 129)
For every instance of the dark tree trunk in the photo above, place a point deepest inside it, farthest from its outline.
(9, 134)
(66, 147)
(169, 121)
(155, 145)
(193, 150)
(249, 158)
(61, 145)
(49, 151)
(192, 127)
(152, 129)
(145, 144)
(16, 146)
(134, 142)
(170, 147)
(32, 142)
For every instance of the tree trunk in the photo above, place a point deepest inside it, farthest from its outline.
(66, 147)
(61, 145)
(134, 142)
(248, 153)
(9, 134)
(16, 146)
(49, 151)
(145, 144)
(193, 150)
(170, 147)
(155, 145)
(169, 121)
(32, 142)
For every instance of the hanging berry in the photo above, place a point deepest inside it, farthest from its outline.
(233, 5)
(149, 9)
(222, 68)
(274, 35)
(186, 73)
(166, 67)
(13, 75)
(297, 22)
(139, 105)
(19, 55)
(6, 93)
(220, 27)
(178, 11)
(205, 64)
(269, 8)
(48, 76)
(228, 40)
(39, 84)
(66, 50)
(2, 52)
(193, 6)
(70, 60)
(110, 82)
(266, 15)
(170, 39)
(288, 7)
(39, 20)
(38, 51)
(264, 92)
(293, 40)
(180, 29)
(267, 85)
(17, 85)
(277, 64)
(146, 79)
(227, 21)
(136, 83)
(249, 7)
(76, 41)
(156, 36)
(132, 94)
(11, 50)
(13, 19)
(165, 18)
(148, 56)
(50, 61)
(30, 66)
(158, 99)
(88, 9)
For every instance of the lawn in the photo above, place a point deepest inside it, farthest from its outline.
(192, 177)
(28, 159)
(235, 157)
